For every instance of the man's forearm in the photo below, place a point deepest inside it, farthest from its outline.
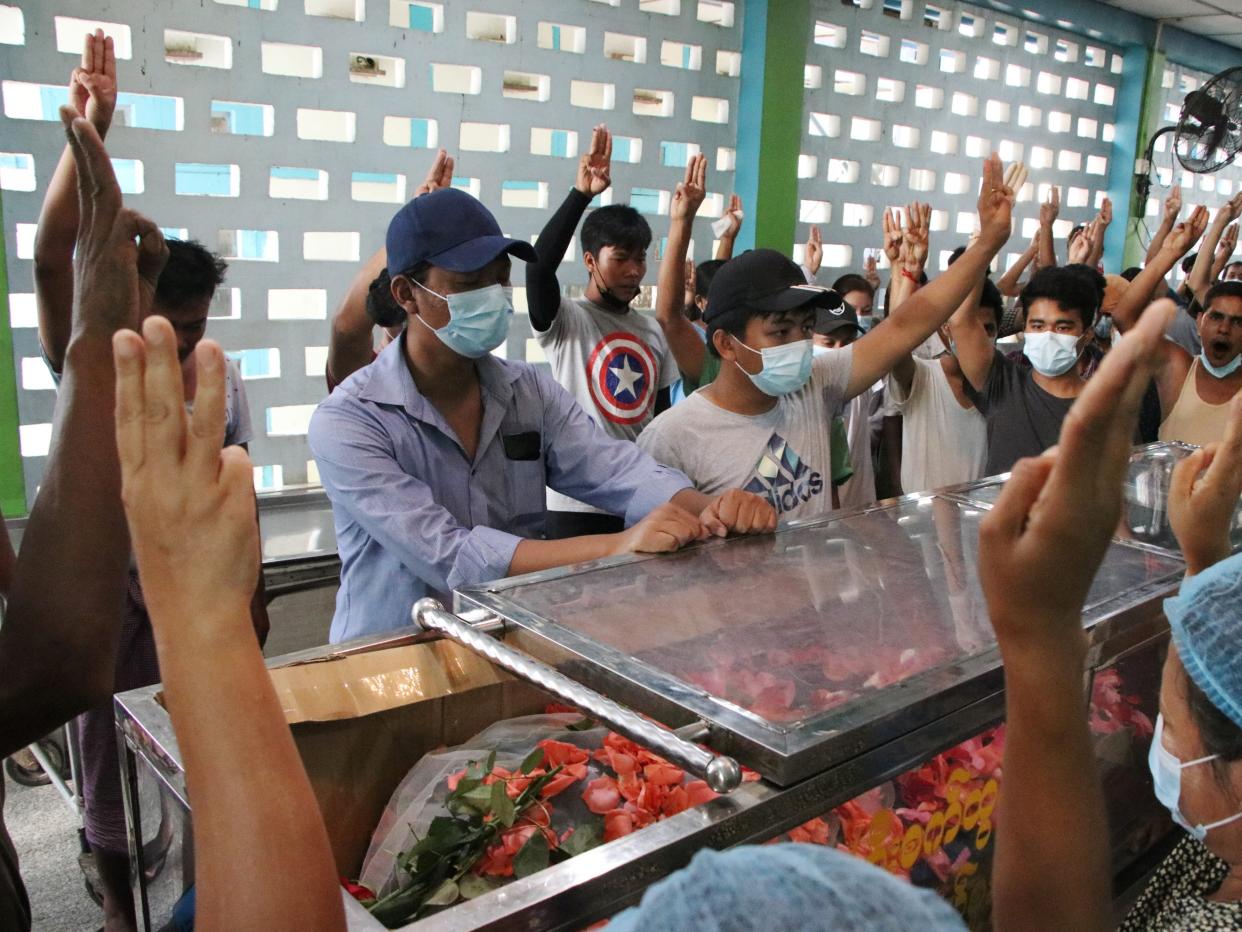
(1157, 241)
(682, 336)
(1053, 807)
(532, 555)
(1047, 250)
(53, 260)
(214, 676)
(1138, 295)
(59, 638)
(543, 291)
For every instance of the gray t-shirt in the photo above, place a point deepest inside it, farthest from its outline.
(1023, 419)
(1184, 331)
(613, 364)
(784, 454)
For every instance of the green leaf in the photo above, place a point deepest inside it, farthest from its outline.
(585, 725)
(532, 760)
(472, 885)
(480, 798)
(445, 895)
(502, 806)
(532, 858)
(586, 835)
(465, 785)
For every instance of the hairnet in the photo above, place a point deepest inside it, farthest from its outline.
(1206, 617)
(785, 886)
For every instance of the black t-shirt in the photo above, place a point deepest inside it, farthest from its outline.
(1022, 418)
(14, 905)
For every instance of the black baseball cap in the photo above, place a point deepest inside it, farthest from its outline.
(828, 320)
(761, 281)
(449, 229)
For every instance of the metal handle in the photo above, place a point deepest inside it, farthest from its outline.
(721, 773)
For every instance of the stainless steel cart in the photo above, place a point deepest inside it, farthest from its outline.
(872, 624)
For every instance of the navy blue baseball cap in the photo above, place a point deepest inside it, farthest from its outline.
(451, 230)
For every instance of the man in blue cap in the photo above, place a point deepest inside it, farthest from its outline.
(436, 456)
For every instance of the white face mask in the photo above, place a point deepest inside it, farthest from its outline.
(1166, 774)
(1052, 354)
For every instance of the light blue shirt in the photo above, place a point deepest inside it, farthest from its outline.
(414, 516)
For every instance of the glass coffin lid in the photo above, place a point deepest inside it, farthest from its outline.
(1146, 516)
(800, 649)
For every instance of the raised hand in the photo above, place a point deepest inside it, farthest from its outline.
(689, 195)
(119, 254)
(1204, 493)
(914, 237)
(92, 86)
(1172, 206)
(1082, 246)
(189, 503)
(595, 167)
(738, 512)
(734, 214)
(1228, 242)
(1058, 511)
(871, 271)
(440, 175)
(667, 528)
(997, 194)
(1105, 216)
(1184, 236)
(892, 235)
(814, 254)
(1050, 209)
(1233, 208)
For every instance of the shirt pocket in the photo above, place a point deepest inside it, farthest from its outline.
(525, 482)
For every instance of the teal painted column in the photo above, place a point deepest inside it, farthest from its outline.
(1139, 64)
(769, 120)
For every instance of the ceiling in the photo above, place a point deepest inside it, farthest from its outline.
(1217, 19)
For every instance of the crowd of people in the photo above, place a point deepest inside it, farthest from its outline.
(753, 395)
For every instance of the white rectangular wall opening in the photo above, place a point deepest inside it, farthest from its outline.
(354, 10)
(236, 118)
(709, 109)
(843, 171)
(289, 420)
(728, 63)
(812, 77)
(830, 35)
(849, 82)
(326, 125)
(726, 158)
(456, 79)
(12, 25)
(196, 48)
(17, 171)
(648, 102)
(377, 187)
(295, 61)
(716, 12)
(873, 44)
(943, 143)
(379, 70)
(561, 37)
(297, 304)
(71, 34)
(249, 245)
(524, 85)
(594, 95)
(913, 53)
(621, 47)
(200, 179)
(885, 176)
(268, 5)
(558, 143)
(922, 179)
(305, 184)
(491, 27)
(986, 69)
(824, 124)
(532, 194)
(810, 211)
(905, 137)
(484, 137)
(420, 17)
(414, 132)
(857, 215)
(808, 167)
(324, 246)
(928, 98)
(681, 55)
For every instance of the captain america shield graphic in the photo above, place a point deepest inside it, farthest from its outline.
(622, 373)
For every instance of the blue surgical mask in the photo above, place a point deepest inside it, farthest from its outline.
(1104, 327)
(1166, 774)
(478, 319)
(1052, 354)
(1221, 372)
(785, 368)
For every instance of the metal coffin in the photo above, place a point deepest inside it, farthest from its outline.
(804, 649)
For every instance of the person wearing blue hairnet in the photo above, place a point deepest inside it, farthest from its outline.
(1196, 753)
